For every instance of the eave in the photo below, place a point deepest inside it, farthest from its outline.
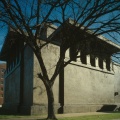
(111, 47)
(7, 45)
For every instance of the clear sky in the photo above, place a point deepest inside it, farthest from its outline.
(1, 39)
(3, 32)
(55, 15)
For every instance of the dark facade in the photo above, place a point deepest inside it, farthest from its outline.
(2, 70)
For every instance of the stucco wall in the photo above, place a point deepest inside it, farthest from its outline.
(117, 83)
(86, 88)
(50, 54)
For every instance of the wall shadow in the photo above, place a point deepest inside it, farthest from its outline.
(108, 108)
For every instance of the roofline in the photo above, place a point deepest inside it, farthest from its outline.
(101, 37)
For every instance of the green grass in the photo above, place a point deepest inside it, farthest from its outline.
(95, 117)
(10, 116)
(110, 116)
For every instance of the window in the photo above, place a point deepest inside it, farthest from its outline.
(1, 82)
(1, 95)
(14, 58)
(1, 88)
(2, 70)
(2, 76)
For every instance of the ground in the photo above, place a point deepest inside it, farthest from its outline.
(71, 116)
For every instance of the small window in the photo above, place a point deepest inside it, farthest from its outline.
(2, 76)
(2, 70)
(1, 88)
(1, 82)
(1, 95)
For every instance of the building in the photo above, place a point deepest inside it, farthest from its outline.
(2, 70)
(89, 83)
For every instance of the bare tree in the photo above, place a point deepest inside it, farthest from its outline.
(28, 17)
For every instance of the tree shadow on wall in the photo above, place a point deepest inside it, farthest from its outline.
(108, 108)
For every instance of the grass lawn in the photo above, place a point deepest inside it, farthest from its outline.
(110, 116)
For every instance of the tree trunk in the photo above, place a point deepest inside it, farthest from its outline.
(51, 113)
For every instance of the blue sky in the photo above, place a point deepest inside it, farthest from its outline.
(2, 37)
(55, 15)
(3, 32)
